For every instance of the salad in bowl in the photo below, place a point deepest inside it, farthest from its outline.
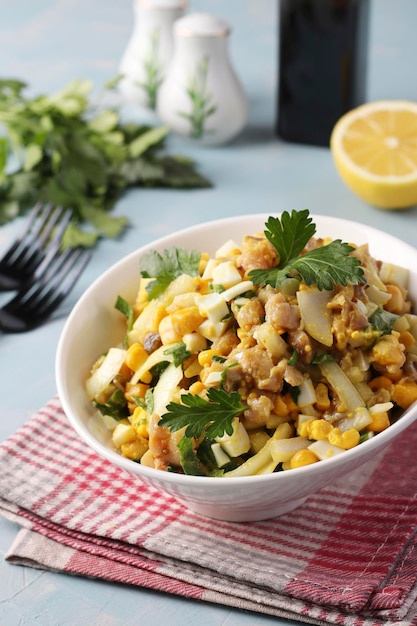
(241, 365)
(280, 349)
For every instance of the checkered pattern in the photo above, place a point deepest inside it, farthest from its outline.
(348, 556)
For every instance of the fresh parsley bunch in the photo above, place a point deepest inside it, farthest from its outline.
(59, 149)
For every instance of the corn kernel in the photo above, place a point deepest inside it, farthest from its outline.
(158, 315)
(135, 449)
(167, 332)
(142, 430)
(322, 394)
(196, 388)
(204, 257)
(191, 367)
(319, 429)
(302, 458)
(281, 407)
(303, 429)
(380, 382)
(137, 390)
(407, 339)
(139, 419)
(135, 356)
(404, 393)
(350, 438)
(139, 415)
(206, 356)
(346, 440)
(186, 320)
(146, 378)
(380, 421)
(291, 406)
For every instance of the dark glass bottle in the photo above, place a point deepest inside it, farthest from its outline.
(322, 66)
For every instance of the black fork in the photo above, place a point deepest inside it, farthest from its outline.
(34, 248)
(34, 304)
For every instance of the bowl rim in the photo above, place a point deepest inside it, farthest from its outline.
(379, 441)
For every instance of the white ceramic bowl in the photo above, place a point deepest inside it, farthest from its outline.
(94, 325)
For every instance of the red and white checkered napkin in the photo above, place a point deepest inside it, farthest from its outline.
(347, 556)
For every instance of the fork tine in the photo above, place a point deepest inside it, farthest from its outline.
(32, 306)
(15, 245)
(67, 285)
(27, 253)
(53, 246)
(54, 286)
(29, 234)
(34, 243)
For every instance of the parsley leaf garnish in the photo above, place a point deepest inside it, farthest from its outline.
(189, 461)
(126, 309)
(165, 267)
(214, 416)
(382, 321)
(325, 266)
(290, 235)
(115, 407)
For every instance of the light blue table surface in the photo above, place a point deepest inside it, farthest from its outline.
(47, 43)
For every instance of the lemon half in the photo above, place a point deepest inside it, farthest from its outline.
(374, 147)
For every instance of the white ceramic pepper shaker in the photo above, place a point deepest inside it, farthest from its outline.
(149, 50)
(201, 97)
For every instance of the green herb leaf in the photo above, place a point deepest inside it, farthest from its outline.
(325, 266)
(148, 139)
(328, 266)
(382, 321)
(325, 357)
(290, 234)
(293, 360)
(115, 407)
(179, 353)
(165, 267)
(214, 416)
(188, 459)
(62, 150)
(125, 307)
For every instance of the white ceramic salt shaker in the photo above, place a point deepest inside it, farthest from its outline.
(149, 50)
(201, 98)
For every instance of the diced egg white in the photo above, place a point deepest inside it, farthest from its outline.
(208, 270)
(307, 393)
(103, 375)
(324, 450)
(226, 248)
(212, 306)
(237, 290)
(238, 442)
(211, 330)
(226, 274)
(220, 455)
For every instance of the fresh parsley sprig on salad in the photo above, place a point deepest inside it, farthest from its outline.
(213, 416)
(325, 267)
(164, 268)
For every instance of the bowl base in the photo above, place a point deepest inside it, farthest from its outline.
(244, 514)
